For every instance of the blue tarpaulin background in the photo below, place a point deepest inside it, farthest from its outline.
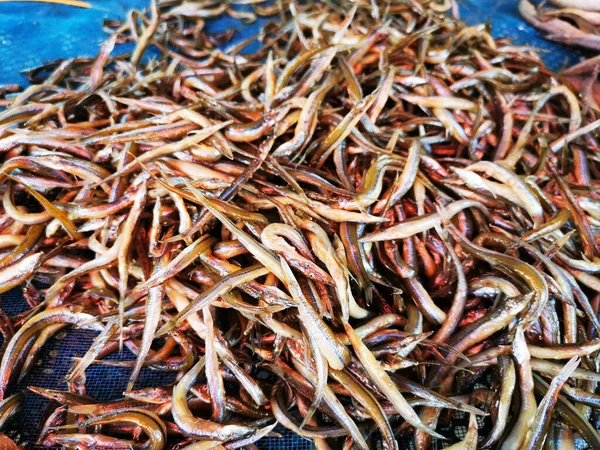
(34, 33)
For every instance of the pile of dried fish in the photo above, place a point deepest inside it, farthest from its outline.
(379, 218)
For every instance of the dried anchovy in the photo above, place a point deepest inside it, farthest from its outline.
(344, 232)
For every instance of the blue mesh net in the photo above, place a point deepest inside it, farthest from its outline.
(32, 35)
